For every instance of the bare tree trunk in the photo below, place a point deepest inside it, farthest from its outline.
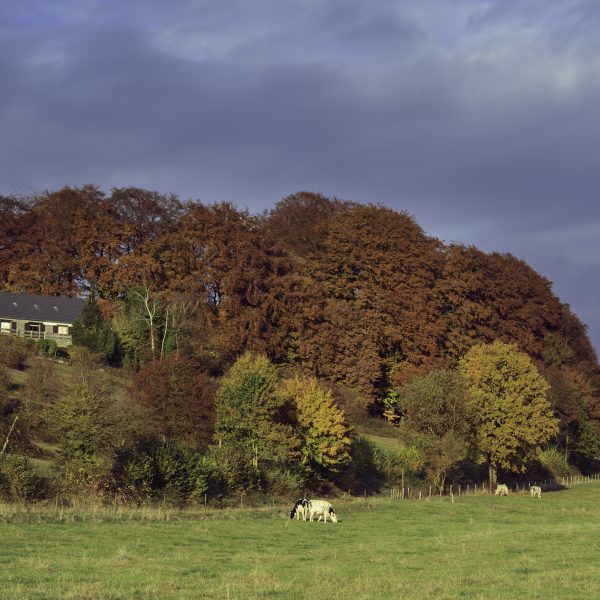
(493, 474)
(8, 435)
(164, 336)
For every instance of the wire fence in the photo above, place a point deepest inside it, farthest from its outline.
(420, 492)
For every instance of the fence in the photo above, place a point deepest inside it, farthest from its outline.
(420, 493)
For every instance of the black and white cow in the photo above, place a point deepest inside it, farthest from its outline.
(323, 509)
(300, 509)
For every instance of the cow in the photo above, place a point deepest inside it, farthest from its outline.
(501, 489)
(535, 491)
(299, 509)
(323, 509)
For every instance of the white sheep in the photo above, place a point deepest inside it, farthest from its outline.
(502, 489)
(535, 491)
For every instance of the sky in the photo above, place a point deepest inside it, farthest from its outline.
(481, 118)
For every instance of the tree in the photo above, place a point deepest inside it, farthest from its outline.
(434, 406)
(92, 331)
(320, 425)
(138, 324)
(509, 411)
(249, 411)
(180, 398)
(574, 400)
(93, 423)
(367, 301)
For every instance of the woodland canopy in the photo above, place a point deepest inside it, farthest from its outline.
(356, 297)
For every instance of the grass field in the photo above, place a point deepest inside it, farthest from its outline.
(476, 547)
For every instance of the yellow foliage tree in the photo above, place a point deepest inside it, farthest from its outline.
(321, 424)
(507, 404)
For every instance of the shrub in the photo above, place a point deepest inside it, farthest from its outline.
(46, 348)
(4, 383)
(555, 461)
(13, 352)
(87, 475)
(17, 480)
(284, 482)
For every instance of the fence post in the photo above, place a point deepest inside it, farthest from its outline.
(430, 491)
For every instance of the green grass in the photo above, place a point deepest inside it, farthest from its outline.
(476, 547)
(384, 442)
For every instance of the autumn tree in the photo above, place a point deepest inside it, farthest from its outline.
(573, 397)
(249, 411)
(12, 227)
(47, 257)
(299, 221)
(319, 423)
(180, 399)
(368, 300)
(493, 296)
(507, 402)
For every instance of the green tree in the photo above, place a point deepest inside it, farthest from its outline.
(320, 424)
(93, 423)
(249, 411)
(510, 414)
(433, 407)
(92, 331)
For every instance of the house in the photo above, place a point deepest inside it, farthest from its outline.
(39, 317)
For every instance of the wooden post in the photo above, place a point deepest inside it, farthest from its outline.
(430, 491)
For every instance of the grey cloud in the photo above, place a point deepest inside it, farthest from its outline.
(248, 102)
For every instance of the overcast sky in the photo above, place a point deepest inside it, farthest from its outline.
(479, 117)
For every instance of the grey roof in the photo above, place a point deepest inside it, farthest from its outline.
(53, 309)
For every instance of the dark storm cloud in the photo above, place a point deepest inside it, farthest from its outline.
(480, 118)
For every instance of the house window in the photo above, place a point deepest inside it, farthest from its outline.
(5, 325)
(63, 330)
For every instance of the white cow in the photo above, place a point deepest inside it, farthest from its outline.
(501, 489)
(299, 509)
(535, 491)
(323, 509)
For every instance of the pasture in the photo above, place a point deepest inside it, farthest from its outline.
(475, 547)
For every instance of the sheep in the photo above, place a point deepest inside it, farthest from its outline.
(535, 491)
(299, 509)
(502, 489)
(321, 508)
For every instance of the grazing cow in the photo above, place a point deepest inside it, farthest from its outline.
(322, 508)
(299, 509)
(501, 489)
(535, 491)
